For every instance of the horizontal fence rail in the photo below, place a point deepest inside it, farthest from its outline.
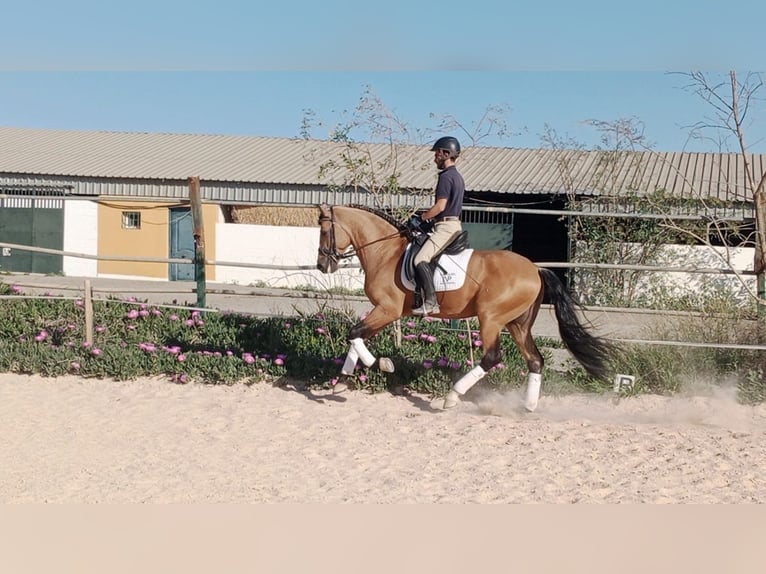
(309, 267)
(170, 291)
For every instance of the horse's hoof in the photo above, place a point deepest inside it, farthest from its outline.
(339, 388)
(451, 400)
(530, 406)
(386, 365)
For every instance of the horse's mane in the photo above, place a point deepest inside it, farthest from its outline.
(382, 214)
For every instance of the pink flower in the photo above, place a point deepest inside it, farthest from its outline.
(132, 314)
(189, 322)
(320, 330)
(288, 325)
(41, 336)
(478, 343)
(428, 364)
(248, 358)
(410, 324)
(143, 313)
(96, 352)
(362, 378)
(279, 361)
(173, 317)
(100, 329)
(181, 357)
(75, 365)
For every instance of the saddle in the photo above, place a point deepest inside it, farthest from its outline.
(457, 245)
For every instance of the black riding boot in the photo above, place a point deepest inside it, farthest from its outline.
(424, 280)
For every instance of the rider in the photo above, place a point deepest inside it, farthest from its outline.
(445, 212)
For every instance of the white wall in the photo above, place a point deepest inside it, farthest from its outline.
(738, 258)
(80, 236)
(281, 246)
(700, 257)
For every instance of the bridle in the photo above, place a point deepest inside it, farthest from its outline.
(332, 252)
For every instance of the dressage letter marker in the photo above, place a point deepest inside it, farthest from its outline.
(623, 383)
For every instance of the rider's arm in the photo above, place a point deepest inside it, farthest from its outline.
(438, 207)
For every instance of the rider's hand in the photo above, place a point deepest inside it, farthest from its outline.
(415, 221)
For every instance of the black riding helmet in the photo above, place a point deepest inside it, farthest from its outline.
(449, 144)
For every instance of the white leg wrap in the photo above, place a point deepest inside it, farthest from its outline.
(350, 364)
(469, 379)
(533, 391)
(363, 353)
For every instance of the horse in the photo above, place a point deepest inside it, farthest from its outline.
(501, 288)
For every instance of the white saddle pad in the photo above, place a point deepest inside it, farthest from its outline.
(453, 275)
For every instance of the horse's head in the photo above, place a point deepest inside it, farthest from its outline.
(333, 241)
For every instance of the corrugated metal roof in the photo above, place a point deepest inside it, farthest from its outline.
(284, 161)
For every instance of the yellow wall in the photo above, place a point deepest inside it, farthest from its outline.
(152, 240)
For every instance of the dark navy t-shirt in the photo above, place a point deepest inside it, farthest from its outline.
(451, 186)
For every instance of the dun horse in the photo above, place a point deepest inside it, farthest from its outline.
(500, 288)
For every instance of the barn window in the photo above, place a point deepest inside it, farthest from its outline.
(131, 220)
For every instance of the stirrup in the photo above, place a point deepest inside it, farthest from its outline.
(426, 309)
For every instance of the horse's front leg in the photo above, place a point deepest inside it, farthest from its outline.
(359, 333)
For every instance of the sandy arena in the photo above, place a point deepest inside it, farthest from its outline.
(99, 441)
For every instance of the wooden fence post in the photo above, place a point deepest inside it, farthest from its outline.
(88, 301)
(398, 333)
(199, 239)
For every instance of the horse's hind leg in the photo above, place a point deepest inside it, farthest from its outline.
(521, 331)
(490, 335)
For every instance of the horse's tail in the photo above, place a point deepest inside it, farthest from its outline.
(592, 352)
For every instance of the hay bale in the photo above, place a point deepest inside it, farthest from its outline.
(273, 215)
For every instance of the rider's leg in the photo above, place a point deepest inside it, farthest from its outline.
(425, 278)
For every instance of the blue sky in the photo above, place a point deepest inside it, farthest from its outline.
(253, 68)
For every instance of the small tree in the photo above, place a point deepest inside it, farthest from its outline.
(375, 145)
(731, 102)
(613, 187)
(622, 151)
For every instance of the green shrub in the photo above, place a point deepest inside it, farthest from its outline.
(135, 339)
